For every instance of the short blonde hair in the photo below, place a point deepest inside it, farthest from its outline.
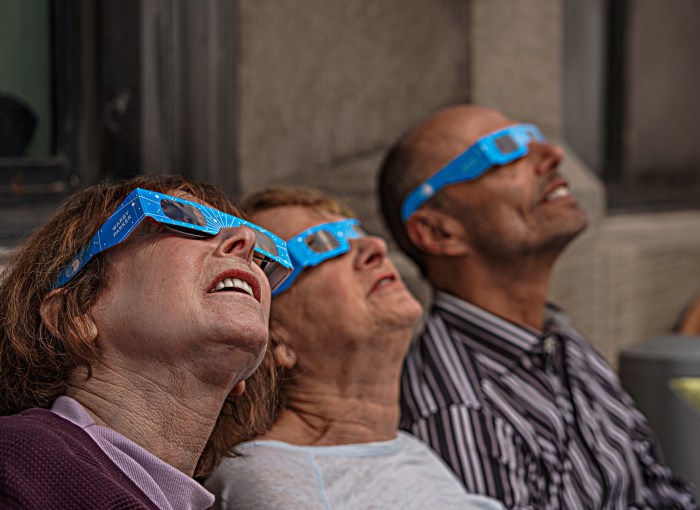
(282, 196)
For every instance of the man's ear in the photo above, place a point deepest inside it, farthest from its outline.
(49, 316)
(436, 233)
(284, 356)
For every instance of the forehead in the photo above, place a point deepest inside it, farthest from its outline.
(288, 221)
(470, 128)
(453, 131)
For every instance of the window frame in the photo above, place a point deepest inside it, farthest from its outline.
(27, 179)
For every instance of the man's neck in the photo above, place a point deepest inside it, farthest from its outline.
(516, 291)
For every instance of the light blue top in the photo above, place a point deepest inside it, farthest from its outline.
(402, 473)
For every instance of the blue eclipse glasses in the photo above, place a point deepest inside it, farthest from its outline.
(186, 218)
(496, 149)
(318, 244)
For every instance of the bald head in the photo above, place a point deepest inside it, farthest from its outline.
(422, 152)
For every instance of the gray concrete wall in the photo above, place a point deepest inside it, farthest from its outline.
(517, 55)
(324, 89)
(585, 76)
(518, 67)
(325, 84)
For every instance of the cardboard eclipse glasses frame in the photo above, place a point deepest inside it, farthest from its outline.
(495, 149)
(187, 218)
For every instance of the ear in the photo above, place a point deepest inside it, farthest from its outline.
(49, 316)
(238, 389)
(436, 233)
(284, 356)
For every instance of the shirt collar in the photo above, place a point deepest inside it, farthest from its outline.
(165, 485)
(499, 338)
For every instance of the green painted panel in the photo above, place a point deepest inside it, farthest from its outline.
(25, 63)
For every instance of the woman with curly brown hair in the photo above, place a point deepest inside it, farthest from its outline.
(129, 323)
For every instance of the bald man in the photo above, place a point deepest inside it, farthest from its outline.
(515, 400)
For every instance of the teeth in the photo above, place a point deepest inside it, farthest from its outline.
(384, 281)
(234, 283)
(240, 284)
(561, 191)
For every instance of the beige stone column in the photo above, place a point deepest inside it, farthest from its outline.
(517, 67)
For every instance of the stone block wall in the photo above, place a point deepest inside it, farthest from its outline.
(649, 269)
(324, 88)
(323, 85)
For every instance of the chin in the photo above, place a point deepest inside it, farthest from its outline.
(407, 313)
(254, 341)
(252, 364)
(416, 311)
(568, 229)
(577, 225)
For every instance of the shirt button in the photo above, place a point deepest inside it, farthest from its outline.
(526, 363)
(549, 344)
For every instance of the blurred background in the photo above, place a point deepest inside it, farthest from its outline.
(248, 93)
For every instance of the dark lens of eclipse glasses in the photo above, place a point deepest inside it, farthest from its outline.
(505, 144)
(321, 241)
(182, 212)
(359, 231)
(274, 271)
(265, 242)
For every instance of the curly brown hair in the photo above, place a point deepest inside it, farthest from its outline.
(36, 363)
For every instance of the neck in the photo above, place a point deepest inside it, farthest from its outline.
(356, 400)
(515, 291)
(172, 423)
(326, 421)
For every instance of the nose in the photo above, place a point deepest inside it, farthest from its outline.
(371, 251)
(548, 155)
(238, 241)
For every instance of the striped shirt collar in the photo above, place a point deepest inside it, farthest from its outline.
(499, 338)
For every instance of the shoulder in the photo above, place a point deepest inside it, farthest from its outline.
(261, 463)
(37, 430)
(417, 478)
(440, 370)
(445, 340)
(267, 474)
(44, 457)
(37, 442)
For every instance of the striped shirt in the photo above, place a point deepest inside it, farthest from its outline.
(536, 420)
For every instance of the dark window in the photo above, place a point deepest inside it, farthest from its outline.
(631, 74)
(40, 109)
(105, 89)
